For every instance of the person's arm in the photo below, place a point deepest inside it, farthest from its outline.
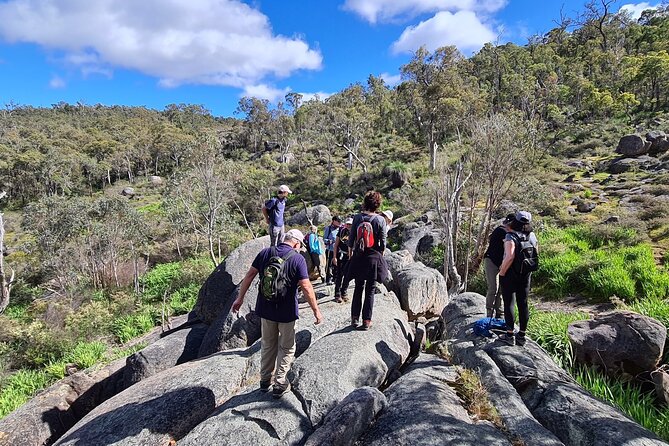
(308, 292)
(335, 251)
(509, 253)
(243, 288)
(382, 229)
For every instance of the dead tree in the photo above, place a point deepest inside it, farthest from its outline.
(5, 283)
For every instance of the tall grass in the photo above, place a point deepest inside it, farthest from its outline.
(600, 263)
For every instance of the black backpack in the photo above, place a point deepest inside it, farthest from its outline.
(526, 258)
(273, 281)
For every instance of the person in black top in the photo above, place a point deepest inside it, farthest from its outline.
(340, 261)
(369, 265)
(491, 262)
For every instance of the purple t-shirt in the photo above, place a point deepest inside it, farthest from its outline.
(275, 208)
(296, 270)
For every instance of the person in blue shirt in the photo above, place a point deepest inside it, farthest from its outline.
(278, 318)
(273, 212)
(330, 237)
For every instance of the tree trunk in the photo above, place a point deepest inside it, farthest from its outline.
(5, 285)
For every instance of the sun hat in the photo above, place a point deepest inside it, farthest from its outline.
(285, 188)
(295, 234)
(388, 213)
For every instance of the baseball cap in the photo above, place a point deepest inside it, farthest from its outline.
(349, 221)
(524, 217)
(285, 188)
(295, 234)
(388, 213)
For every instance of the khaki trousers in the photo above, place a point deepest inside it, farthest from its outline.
(277, 351)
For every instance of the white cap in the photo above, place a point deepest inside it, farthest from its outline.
(388, 213)
(349, 221)
(295, 234)
(285, 188)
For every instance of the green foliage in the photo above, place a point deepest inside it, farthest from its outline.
(128, 327)
(183, 299)
(160, 279)
(596, 262)
(550, 331)
(19, 388)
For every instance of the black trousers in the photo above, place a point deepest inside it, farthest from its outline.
(341, 284)
(514, 284)
(368, 306)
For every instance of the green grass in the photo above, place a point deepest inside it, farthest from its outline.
(599, 263)
(550, 331)
(19, 388)
(128, 327)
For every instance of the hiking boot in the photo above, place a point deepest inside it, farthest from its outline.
(338, 299)
(265, 385)
(344, 297)
(520, 338)
(278, 391)
(354, 322)
(507, 338)
(366, 325)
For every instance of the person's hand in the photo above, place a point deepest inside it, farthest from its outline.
(334, 261)
(267, 220)
(237, 304)
(318, 316)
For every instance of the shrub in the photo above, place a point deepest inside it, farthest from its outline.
(159, 280)
(86, 354)
(128, 327)
(19, 388)
(183, 299)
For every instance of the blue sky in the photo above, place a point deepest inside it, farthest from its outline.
(212, 52)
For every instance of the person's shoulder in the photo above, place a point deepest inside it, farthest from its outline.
(270, 202)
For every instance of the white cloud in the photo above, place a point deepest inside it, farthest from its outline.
(391, 79)
(215, 42)
(263, 91)
(635, 9)
(462, 29)
(57, 82)
(388, 10)
(320, 96)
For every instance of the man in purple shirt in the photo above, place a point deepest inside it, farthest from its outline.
(273, 212)
(278, 318)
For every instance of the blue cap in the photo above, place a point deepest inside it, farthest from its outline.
(524, 217)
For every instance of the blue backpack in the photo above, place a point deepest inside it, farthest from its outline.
(486, 326)
(315, 244)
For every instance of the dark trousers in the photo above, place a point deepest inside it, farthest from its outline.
(368, 306)
(341, 283)
(329, 273)
(520, 286)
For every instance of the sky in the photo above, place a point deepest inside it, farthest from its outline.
(213, 52)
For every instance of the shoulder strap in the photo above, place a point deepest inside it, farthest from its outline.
(272, 251)
(288, 255)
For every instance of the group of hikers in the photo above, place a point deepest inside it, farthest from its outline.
(354, 251)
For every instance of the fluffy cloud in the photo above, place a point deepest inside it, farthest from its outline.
(391, 79)
(463, 29)
(387, 10)
(321, 96)
(215, 42)
(635, 9)
(57, 82)
(263, 91)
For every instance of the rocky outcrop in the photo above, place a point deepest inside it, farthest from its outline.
(177, 348)
(658, 142)
(349, 419)
(424, 410)
(230, 330)
(347, 359)
(253, 418)
(53, 411)
(632, 145)
(550, 397)
(408, 234)
(421, 290)
(155, 180)
(630, 164)
(619, 342)
(320, 215)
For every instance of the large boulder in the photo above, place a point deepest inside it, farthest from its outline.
(177, 348)
(228, 329)
(632, 145)
(631, 164)
(409, 234)
(619, 342)
(47, 416)
(169, 404)
(397, 261)
(424, 410)
(319, 214)
(658, 142)
(339, 363)
(551, 395)
(421, 290)
(155, 180)
(253, 418)
(350, 418)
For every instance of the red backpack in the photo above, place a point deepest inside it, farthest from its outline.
(364, 239)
